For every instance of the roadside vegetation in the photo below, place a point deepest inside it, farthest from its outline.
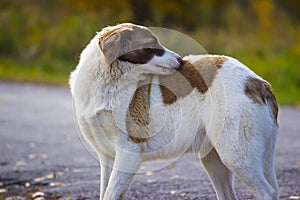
(40, 40)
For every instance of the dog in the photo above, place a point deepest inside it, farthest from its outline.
(135, 101)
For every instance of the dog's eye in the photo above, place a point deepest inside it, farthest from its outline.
(138, 56)
(141, 56)
(156, 51)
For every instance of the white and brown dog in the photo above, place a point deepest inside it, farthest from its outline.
(135, 101)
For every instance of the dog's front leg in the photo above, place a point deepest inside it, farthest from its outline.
(127, 162)
(106, 164)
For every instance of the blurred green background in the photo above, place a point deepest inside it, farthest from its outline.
(40, 40)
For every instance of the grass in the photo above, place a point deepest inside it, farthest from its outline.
(280, 70)
(41, 40)
(36, 71)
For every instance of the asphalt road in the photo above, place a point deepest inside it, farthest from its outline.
(40, 150)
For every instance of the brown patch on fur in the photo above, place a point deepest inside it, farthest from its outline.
(138, 117)
(261, 93)
(199, 75)
(109, 43)
(129, 42)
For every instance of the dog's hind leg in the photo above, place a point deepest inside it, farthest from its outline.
(253, 177)
(269, 167)
(220, 176)
(271, 176)
(246, 160)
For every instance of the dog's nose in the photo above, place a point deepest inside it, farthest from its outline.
(180, 60)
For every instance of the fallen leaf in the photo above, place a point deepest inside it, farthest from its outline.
(149, 173)
(182, 194)
(39, 179)
(294, 197)
(44, 156)
(54, 184)
(175, 177)
(32, 156)
(42, 178)
(173, 192)
(50, 176)
(79, 170)
(298, 163)
(39, 198)
(59, 173)
(20, 163)
(37, 194)
(3, 191)
(151, 180)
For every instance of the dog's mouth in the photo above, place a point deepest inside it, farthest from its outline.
(167, 69)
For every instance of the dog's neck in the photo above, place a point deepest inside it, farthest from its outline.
(116, 79)
(118, 75)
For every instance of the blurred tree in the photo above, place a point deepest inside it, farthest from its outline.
(99, 5)
(292, 7)
(181, 13)
(142, 11)
(188, 14)
(264, 11)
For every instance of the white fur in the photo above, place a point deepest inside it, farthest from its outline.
(241, 132)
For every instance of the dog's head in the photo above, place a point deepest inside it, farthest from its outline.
(138, 46)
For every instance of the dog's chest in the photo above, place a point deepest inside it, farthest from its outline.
(175, 126)
(162, 126)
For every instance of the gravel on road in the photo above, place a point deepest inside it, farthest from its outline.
(42, 154)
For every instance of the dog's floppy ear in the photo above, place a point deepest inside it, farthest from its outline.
(110, 46)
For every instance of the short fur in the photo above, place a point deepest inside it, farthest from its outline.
(138, 118)
(133, 106)
(260, 92)
(199, 75)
